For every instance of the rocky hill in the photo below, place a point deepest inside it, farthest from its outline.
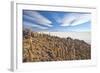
(43, 47)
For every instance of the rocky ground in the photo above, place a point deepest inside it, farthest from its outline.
(43, 47)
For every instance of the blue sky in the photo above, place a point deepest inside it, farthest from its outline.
(56, 21)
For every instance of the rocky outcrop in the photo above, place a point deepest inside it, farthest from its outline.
(44, 47)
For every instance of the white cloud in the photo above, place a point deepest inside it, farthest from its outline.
(75, 19)
(38, 18)
(66, 21)
(82, 19)
(29, 17)
(32, 25)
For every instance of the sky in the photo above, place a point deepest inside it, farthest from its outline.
(52, 21)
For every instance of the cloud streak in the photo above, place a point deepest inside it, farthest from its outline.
(38, 18)
(33, 25)
(74, 19)
(82, 19)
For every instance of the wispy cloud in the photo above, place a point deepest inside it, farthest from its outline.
(38, 18)
(83, 18)
(33, 25)
(75, 19)
(67, 20)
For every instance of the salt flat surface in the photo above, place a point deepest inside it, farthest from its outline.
(86, 36)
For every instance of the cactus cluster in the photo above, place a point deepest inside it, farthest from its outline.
(44, 47)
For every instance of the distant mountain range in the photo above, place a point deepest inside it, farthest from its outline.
(44, 47)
